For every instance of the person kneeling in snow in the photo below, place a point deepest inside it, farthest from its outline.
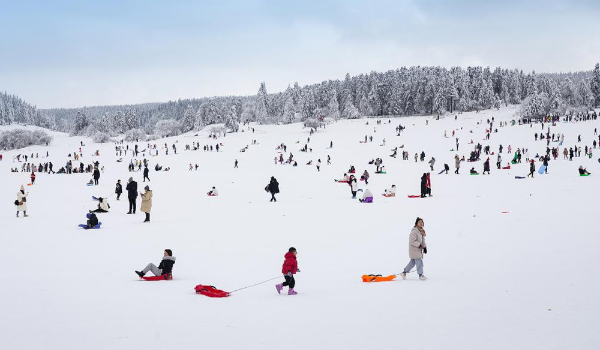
(213, 192)
(165, 266)
(367, 197)
(289, 269)
(102, 206)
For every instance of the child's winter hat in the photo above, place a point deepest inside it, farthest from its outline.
(22, 188)
(147, 188)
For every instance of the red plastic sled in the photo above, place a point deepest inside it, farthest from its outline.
(413, 196)
(211, 291)
(211, 195)
(165, 277)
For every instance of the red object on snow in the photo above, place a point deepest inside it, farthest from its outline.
(413, 196)
(165, 277)
(211, 291)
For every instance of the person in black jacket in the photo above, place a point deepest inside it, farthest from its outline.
(146, 171)
(132, 194)
(531, 168)
(423, 185)
(96, 175)
(486, 166)
(273, 187)
(118, 189)
(164, 268)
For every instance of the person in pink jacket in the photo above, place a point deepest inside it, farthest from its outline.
(289, 269)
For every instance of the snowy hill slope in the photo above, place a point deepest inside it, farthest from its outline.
(525, 279)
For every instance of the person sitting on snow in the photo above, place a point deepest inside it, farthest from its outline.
(344, 179)
(213, 192)
(367, 197)
(102, 206)
(165, 266)
(91, 182)
(473, 171)
(92, 221)
(583, 171)
(391, 192)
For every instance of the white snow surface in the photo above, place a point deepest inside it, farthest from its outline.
(526, 279)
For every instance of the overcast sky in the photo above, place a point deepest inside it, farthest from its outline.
(63, 53)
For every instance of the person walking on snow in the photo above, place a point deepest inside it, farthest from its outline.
(132, 195)
(456, 164)
(531, 168)
(118, 189)
(146, 171)
(416, 248)
(431, 163)
(289, 269)
(32, 178)
(21, 202)
(146, 202)
(273, 188)
(164, 268)
(96, 175)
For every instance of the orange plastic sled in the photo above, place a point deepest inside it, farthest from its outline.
(378, 278)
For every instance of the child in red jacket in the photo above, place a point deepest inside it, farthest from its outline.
(289, 269)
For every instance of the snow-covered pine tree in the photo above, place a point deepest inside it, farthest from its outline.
(595, 84)
(289, 110)
(81, 123)
(189, 119)
(231, 119)
(262, 105)
(350, 111)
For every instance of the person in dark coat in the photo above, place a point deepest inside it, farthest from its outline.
(531, 168)
(486, 166)
(146, 171)
(132, 194)
(164, 268)
(423, 185)
(118, 189)
(96, 175)
(273, 188)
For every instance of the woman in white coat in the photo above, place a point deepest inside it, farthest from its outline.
(21, 202)
(416, 248)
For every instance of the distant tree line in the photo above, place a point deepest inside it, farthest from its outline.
(400, 92)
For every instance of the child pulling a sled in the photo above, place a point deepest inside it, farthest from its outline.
(289, 269)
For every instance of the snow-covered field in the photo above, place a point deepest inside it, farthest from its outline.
(526, 279)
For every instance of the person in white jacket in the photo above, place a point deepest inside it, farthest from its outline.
(367, 197)
(353, 186)
(102, 206)
(21, 202)
(416, 248)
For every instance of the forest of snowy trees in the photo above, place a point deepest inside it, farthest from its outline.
(400, 92)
